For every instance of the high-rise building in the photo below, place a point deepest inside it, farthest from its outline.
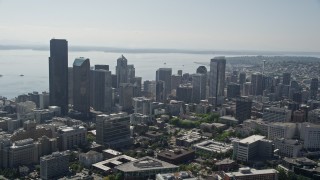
(314, 88)
(142, 105)
(233, 90)
(243, 109)
(101, 66)
(149, 88)
(54, 165)
(81, 85)
(199, 84)
(102, 90)
(164, 74)
(286, 78)
(137, 85)
(217, 79)
(175, 81)
(125, 96)
(44, 100)
(202, 70)
(113, 130)
(184, 93)
(257, 84)
(160, 91)
(70, 85)
(122, 70)
(131, 73)
(58, 74)
(242, 78)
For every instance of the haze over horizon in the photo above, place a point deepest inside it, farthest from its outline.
(289, 25)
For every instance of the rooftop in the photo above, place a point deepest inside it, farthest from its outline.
(225, 161)
(79, 61)
(171, 154)
(111, 151)
(247, 172)
(145, 163)
(251, 139)
(214, 146)
(113, 162)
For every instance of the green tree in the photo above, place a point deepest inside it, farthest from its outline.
(91, 138)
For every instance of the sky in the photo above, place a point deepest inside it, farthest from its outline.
(263, 25)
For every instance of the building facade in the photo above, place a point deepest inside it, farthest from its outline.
(81, 85)
(58, 74)
(217, 79)
(113, 130)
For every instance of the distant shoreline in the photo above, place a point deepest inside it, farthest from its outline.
(161, 51)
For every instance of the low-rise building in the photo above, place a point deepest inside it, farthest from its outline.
(251, 148)
(110, 153)
(89, 158)
(188, 139)
(226, 165)
(229, 120)
(212, 147)
(182, 175)
(176, 156)
(146, 167)
(287, 147)
(252, 174)
(108, 165)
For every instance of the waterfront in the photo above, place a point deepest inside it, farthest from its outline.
(34, 66)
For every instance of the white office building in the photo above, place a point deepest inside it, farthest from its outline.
(281, 130)
(310, 134)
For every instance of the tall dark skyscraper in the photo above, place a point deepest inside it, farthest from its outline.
(243, 109)
(314, 85)
(160, 89)
(242, 78)
(102, 90)
(70, 85)
(217, 79)
(122, 70)
(257, 84)
(81, 85)
(184, 93)
(233, 90)
(286, 77)
(58, 74)
(164, 74)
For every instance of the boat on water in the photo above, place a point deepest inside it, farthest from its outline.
(1, 75)
(21, 75)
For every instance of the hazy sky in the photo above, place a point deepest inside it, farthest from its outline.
(288, 25)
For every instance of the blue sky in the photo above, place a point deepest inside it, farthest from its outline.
(281, 25)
